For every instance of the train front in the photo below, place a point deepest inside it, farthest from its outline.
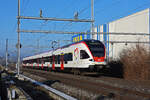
(98, 52)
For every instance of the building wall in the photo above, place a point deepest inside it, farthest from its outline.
(135, 23)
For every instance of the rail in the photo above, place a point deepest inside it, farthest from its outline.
(27, 96)
(58, 93)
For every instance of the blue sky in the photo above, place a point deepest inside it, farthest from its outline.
(104, 11)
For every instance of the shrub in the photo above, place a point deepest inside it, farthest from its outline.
(136, 63)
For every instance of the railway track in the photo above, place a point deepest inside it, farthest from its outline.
(118, 89)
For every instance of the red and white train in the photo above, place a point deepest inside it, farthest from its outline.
(86, 55)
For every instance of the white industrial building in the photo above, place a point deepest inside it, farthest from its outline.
(136, 23)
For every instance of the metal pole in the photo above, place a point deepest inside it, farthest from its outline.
(38, 45)
(18, 44)
(112, 50)
(92, 17)
(6, 52)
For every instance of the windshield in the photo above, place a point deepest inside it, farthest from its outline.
(96, 47)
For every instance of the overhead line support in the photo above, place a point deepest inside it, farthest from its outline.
(92, 18)
(55, 19)
(18, 44)
(6, 53)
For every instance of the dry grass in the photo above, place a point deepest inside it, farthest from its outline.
(136, 63)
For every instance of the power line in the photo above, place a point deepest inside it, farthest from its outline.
(120, 42)
(63, 32)
(87, 7)
(127, 13)
(66, 7)
(45, 22)
(25, 4)
(104, 9)
(130, 11)
(80, 12)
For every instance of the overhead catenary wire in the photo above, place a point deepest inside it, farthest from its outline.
(112, 4)
(84, 9)
(128, 12)
(24, 5)
(79, 13)
(64, 9)
(63, 32)
(87, 7)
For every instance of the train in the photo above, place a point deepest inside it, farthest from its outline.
(83, 56)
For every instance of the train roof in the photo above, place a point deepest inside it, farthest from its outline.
(86, 41)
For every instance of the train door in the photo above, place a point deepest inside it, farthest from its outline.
(62, 62)
(53, 63)
(42, 63)
(37, 63)
(32, 63)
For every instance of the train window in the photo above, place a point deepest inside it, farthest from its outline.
(50, 59)
(65, 58)
(37, 60)
(25, 61)
(30, 61)
(58, 59)
(97, 48)
(34, 61)
(40, 60)
(69, 56)
(46, 59)
(83, 54)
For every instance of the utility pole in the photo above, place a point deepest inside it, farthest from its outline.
(18, 44)
(37, 46)
(92, 18)
(6, 53)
